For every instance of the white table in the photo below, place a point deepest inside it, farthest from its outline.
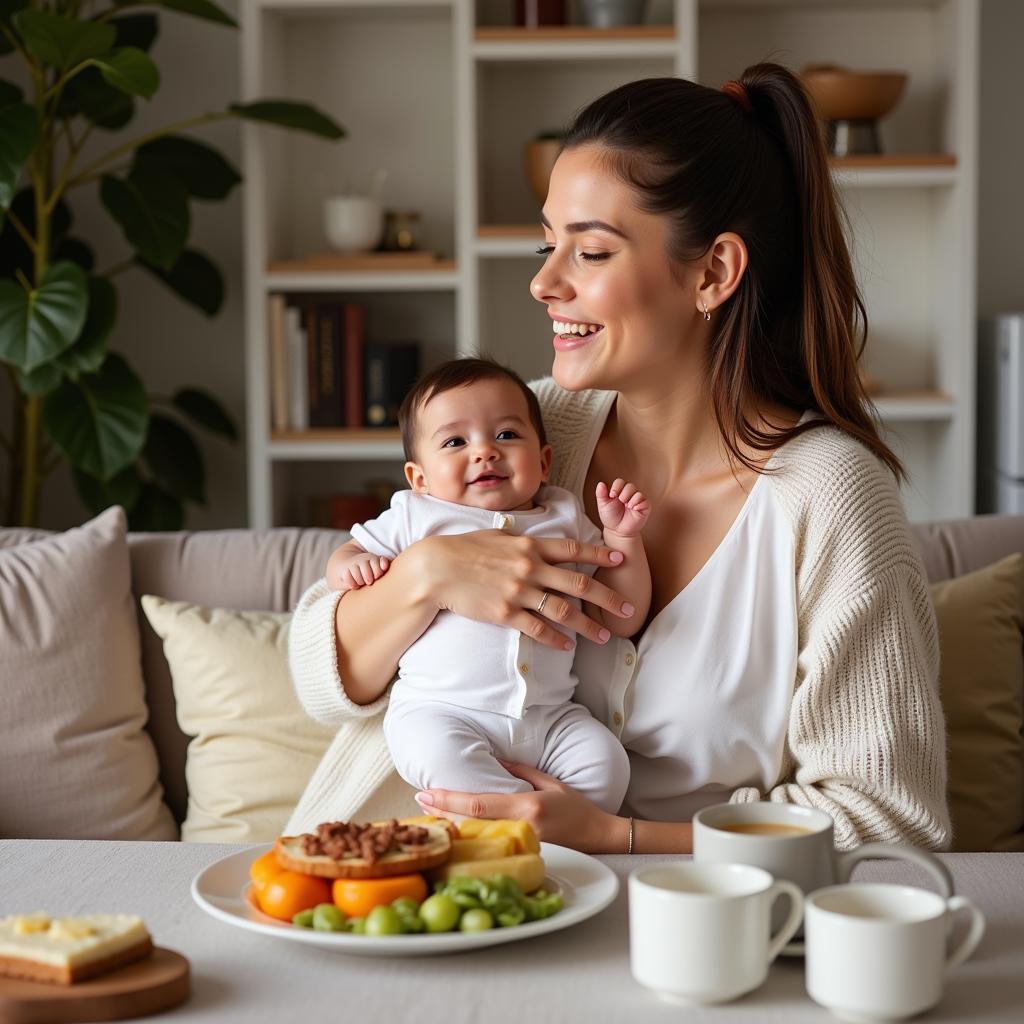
(579, 974)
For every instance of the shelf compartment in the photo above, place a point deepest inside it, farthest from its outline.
(574, 42)
(446, 279)
(317, 445)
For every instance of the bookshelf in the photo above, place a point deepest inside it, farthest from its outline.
(444, 94)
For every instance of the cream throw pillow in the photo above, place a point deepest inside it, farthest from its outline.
(76, 761)
(253, 748)
(981, 639)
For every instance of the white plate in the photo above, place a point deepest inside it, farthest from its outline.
(587, 887)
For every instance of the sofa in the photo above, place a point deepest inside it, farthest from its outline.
(265, 572)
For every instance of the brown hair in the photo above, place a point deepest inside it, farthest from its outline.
(458, 373)
(795, 327)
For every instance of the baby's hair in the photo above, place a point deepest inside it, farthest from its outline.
(458, 373)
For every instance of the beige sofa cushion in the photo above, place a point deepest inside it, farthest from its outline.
(253, 749)
(75, 761)
(981, 637)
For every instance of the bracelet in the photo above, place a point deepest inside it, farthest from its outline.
(629, 849)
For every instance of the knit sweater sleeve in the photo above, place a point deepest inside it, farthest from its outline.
(866, 736)
(313, 659)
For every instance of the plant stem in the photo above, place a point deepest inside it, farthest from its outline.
(118, 268)
(30, 479)
(88, 173)
(21, 229)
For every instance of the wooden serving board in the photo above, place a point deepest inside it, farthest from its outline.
(157, 983)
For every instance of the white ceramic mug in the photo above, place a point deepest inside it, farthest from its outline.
(699, 933)
(880, 952)
(353, 223)
(802, 851)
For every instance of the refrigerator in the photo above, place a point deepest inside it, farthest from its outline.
(1001, 415)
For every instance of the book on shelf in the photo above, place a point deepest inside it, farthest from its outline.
(343, 511)
(325, 374)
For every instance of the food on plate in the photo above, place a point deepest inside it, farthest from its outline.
(341, 849)
(527, 869)
(368, 879)
(458, 904)
(65, 950)
(358, 896)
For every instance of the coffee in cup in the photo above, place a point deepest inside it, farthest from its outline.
(795, 843)
(880, 952)
(699, 933)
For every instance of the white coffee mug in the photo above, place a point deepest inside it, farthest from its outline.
(799, 849)
(879, 952)
(353, 223)
(700, 933)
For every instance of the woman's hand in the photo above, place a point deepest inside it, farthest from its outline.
(557, 813)
(511, 581)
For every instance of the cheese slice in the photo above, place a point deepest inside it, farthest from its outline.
(68, 949)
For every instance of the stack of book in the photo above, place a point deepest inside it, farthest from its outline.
(326, 374)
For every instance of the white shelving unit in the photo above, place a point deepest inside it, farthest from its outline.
(444, 99)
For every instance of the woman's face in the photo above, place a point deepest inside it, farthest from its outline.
(607, 267)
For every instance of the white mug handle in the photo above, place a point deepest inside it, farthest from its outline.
(957, 956)
(846, 862)
(793, 919)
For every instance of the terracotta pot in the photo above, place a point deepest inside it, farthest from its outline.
(841, 95)
(541, 155)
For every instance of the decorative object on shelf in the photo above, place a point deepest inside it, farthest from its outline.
(534, 13)
(337, 262)
(400, 229)
(852, 103)
(353, 223)
(541, 153)
(343, 511)
(78, 402)
(391, 369)
(612, 13)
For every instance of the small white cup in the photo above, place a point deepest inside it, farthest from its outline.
(700, 933)
(880, 952)
(353, 223)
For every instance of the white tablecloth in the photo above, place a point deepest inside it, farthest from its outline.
(579, 974)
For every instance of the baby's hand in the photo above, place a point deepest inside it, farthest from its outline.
(622, 508)
(362, 570)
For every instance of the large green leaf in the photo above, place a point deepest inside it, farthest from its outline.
(156, 510)
(152, 210)
(200, 9)
(86, 355)
(77, 251)
(201, 169)
(288, 114)
(39, 324)
(122, 489)
(7, 8)
(195, 278)
(205, 410)
(138, 30)
(62, 42)
(89, 95)
(9, 93)
(19, 133)
(41, 380)
(131, 71)
(174, 459)
(99, 422)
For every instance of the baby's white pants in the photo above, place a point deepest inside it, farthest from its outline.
(443, 746)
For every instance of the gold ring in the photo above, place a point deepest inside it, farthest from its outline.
(543, 601)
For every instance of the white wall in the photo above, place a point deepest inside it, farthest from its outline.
(172, 345)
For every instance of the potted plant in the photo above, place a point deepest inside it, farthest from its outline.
(86, 65)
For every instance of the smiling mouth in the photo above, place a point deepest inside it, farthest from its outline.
(491, 479)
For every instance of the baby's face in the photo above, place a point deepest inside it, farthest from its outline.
(475, 445)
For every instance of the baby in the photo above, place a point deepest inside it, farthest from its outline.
(470, 693)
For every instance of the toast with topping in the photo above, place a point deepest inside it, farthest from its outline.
(341, 849)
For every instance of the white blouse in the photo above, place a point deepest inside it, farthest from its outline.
(702, 702)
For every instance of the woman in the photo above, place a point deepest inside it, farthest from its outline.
(791, 649)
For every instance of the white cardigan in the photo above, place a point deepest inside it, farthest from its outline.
(866, 737)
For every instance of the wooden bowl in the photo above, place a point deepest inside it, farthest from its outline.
(841, 95)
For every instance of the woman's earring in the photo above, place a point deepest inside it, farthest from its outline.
(707, 315)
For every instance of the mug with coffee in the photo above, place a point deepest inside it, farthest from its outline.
(794, 843)
(880, 952)
(699, 933)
